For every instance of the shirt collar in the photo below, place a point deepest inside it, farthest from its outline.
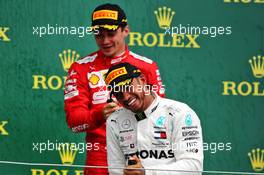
(153, 105)
(115, 59)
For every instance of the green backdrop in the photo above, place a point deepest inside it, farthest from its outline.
(211, 74)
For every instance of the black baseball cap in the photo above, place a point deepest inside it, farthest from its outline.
(108, 16)
(121, 74)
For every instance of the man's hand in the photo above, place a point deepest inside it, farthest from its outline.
(109, 108)
(138, 164)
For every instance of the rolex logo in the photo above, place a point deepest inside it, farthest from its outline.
(3, 130)
(67, 153)
(246, 88)
(68, 57)
(164, 17)
(257, 66)
(257, 159)
(3, 34)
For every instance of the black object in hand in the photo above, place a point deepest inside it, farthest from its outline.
(109, 100)
(131, 162)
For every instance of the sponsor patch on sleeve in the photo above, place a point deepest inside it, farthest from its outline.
(71, 94)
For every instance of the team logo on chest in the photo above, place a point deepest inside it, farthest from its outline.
(160, 121)
(96, 78)
(160, 129)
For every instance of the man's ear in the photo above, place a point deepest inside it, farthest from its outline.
(143, 78)
(126, 31)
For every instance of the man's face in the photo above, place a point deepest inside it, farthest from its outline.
(132, 97)
(112, 42)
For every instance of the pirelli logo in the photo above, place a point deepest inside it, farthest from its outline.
(105, 14)
(114, 74)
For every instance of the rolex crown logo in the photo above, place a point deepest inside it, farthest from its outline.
(67, 153)
(257, 159)
(68, 57)
(257, 66)
(164, 17)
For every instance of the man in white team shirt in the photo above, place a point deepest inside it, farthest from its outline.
(150, 134)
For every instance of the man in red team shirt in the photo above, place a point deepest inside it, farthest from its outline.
(85, 90)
